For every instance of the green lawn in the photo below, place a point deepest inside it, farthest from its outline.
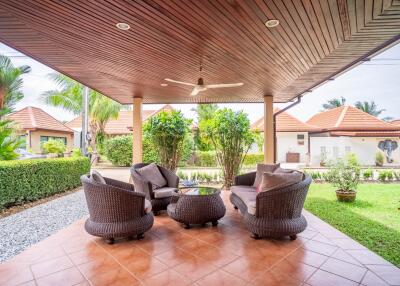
(373, 219)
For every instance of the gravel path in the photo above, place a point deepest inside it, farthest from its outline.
(19, 231)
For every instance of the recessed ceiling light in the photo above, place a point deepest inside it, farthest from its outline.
(164, 84)
(272, 23)
(123, 26)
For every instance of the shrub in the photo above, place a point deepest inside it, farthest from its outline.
(54, 146)
(344, 175)
(29, 180)
(76, 152)
(397, 175)
(231, 137)
(119, 150)
(368, 174)
(9, 141)
(167, 132)
(379, 158)
(389, 175)
(205, 159)
(382, 176)
(253, 159)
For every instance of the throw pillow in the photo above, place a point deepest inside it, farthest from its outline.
(97, 177)
(262, 168)
(152, 174)
(273, 181)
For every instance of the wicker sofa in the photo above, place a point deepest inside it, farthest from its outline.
(160, 198)
(272, 214)
(115, 209)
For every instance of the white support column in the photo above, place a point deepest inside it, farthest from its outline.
(137, 130)
(269, 136)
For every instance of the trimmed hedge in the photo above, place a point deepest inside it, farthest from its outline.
(30, 180)
(208, 159)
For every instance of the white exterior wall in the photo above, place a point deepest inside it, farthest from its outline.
(287, 142)
(364, 147)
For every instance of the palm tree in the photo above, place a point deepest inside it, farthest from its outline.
(10, 82)
(369, 107)
(9, 141)
(333, 103)
(70, 96)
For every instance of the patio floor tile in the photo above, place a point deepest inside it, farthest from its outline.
(222, 255)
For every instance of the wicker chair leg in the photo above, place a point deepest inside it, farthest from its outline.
(156, 213)
(203, 224)
(186, 225)
(140, 236)
(215, 223)
(110, 240)
(255, 236)
(235, 207)
(293, 237)
(130, 238)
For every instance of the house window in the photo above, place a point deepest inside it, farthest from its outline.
(47, 138)
(347, 149)
(300, 139)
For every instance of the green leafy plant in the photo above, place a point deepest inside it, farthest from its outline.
(379, 159)
(30, 180)
(167, 132)
(344, 175)
(382, 176)
(119, 150)
(231, 137)
(9, 141)
(397, 175)
(54, 146)
(368, 174)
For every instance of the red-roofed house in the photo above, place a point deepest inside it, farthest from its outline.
(347, 129)
(37, 126)
(291, 135)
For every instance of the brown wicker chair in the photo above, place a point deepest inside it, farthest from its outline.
(277, 212)
(145, 187)
(115, 209)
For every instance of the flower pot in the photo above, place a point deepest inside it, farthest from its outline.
(345, 196)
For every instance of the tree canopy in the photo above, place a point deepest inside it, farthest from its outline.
(333, 103)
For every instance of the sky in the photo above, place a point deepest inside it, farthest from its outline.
(377, 80)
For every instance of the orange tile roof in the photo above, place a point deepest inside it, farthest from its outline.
(285, 122)
(366, 133)
(396, 122)
(122, 125)
(348, 118)
(33, 118)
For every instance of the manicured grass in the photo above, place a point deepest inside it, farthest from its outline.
(373, 219)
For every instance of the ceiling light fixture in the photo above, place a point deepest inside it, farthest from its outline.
(272, 23)
(123, 26)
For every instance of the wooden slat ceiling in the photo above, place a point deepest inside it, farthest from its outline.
(315, 40)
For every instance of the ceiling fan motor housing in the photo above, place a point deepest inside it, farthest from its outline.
(200, 81)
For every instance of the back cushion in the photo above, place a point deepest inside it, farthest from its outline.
(152, 174)
(97, 177)
(273, 181)
(262, 168)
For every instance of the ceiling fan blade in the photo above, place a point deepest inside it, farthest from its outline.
(224, 85)
(180, 82)
(195, 91)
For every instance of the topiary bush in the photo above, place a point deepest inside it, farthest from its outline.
(54, 146)
(119, 150)
(30, 180)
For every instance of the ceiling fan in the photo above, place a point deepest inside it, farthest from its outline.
(200, 86)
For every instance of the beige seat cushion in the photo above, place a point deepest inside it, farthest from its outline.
(273, 181)
(248, 196)
(283, 171)
(152, 174)
(147, 206)
(164, 192)
(97, 177)
(262, 168)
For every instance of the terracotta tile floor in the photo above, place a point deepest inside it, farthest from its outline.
(222, 255)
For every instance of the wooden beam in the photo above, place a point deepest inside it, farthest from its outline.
(137, 146)
(269, 140)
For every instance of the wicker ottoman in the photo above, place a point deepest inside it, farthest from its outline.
(198, 205)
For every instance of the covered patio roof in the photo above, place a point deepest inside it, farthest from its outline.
(315, 41)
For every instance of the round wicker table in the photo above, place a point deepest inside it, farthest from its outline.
(197, 205)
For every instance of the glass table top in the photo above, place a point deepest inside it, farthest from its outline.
(199, 191)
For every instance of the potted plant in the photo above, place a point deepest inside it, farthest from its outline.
(345, 176)
(379, 159)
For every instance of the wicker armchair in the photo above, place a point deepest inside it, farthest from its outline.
(115, 209)
(145, 187)
(277, 212)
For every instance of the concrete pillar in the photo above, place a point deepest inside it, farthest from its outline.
(137, 130)
(269, 138)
